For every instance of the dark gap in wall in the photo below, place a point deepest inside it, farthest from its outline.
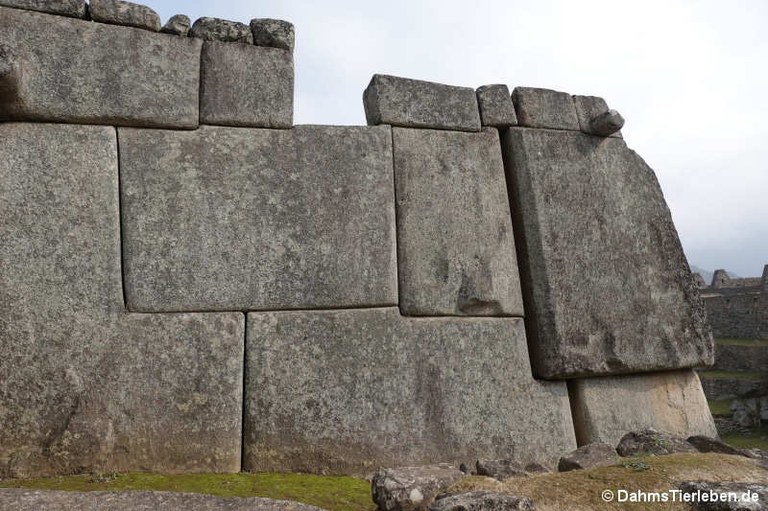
(283, 309)
(397, 226)
(523, 260)
(242, 398)
(120, 227)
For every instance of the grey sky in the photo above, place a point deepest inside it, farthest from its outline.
(689, 77)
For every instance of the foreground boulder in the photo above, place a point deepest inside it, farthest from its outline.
(482, 501)
(650, 442)
(588, 456)
(411, 488)
(707, 444)
(500, 469)
(37, 500)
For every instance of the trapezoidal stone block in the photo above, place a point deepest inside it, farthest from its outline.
(544, 108)
(245, 85)
(419, 104)
(92, 73)
(86, 386)
(606, 284)
(348, 391)
(606, 408)
(256, 219)
(456, 248)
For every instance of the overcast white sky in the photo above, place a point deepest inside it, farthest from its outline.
(690, 78)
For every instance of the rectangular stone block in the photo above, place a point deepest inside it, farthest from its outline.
(589, 107)
(76, 71)
(348, 391)
(496, 108)
(245, 85)
(606, 284)
(419, 104)
(544, 108)
(71, 8)
(605, 409)
(86, 386)
(456, 249)
(256, 219)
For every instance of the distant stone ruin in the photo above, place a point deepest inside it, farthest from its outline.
(737, 307)
(191, 283)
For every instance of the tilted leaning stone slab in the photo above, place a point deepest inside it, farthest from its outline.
(94, 73)
(348, 391)
(607, 286)
(256, 219)
(606, 408)
(456, 250)
(86, 386)
(419, 104)
(245, 85)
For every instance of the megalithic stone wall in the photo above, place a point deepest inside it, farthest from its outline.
(191, 283)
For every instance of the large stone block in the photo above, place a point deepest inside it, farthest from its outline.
(606, 408)
(350, 390)
(250, 219)
(71, 8)
(419, 104)
(607, 286)
(545, 108)
(456, 249)
(245, 85)
(84, 385)
(94, 73)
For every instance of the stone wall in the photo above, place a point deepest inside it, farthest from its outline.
(737, 308)
(192, 283)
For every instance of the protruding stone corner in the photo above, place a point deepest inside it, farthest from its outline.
(68, 8)
(218, 29)
(545, 108)
(273, 33)
(595, 118)
(410, 103)
(119, 12)
(720, 279)
(496, 108)
(178, 24)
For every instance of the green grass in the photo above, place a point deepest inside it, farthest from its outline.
(756, 438)
(742, 342)
(734, 375)
(720, 407)
(335, 493)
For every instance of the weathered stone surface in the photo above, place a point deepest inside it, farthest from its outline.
(244, 85)
(735, 357)
(608, 289)
(496, 108)
(544, 108)
(217, 29)
(536, 468)
(86, 386)
(119, 12)
(708, 444)
(607, 408)
(250, 219)
(732, 388)
(273, 33)
(178, 24)
(587, 109)
(592, 455)
(482, 501)
(650, 442)
(419, 104)
(320, 383)
(50, 500)
(456, 249)
(500, 469)
(756, 495)
(607, 123)
(71, 8)
(137, 79)
(411, 488)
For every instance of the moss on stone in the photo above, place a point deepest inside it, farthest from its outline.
(335, 493)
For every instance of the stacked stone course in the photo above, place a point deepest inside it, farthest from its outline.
(192, 283)
(737, 307)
